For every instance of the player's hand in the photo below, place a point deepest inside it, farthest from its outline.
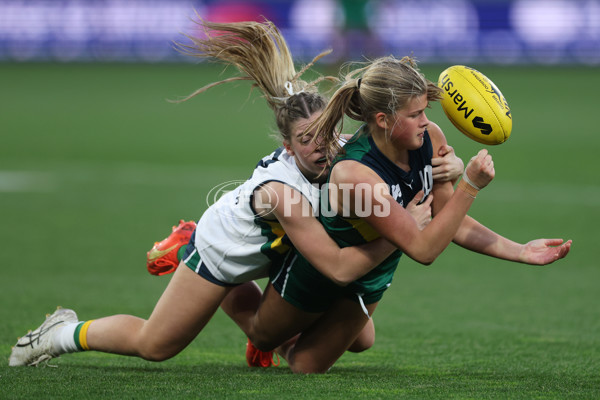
(447, 167)
(480, 169)
(420, 212)
(544, 251)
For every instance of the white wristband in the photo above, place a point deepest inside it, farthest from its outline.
(466, 179)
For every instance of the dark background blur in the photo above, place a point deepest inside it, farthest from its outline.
(443, 31)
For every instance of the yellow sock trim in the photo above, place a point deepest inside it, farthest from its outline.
(83, 335)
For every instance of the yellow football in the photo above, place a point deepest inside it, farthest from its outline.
(475, 105)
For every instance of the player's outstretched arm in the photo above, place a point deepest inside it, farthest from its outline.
(476, 237)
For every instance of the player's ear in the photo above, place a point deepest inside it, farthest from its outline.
(381, 120)
(288, 148)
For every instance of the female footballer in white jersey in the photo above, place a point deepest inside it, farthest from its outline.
(240, 236)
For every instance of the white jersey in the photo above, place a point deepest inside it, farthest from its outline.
(234, 243)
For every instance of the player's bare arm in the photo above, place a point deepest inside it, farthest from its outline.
(476, 237)
(342, 266)
(398, 226)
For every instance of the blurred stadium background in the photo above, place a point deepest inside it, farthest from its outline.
(466, 31)
(96, 165)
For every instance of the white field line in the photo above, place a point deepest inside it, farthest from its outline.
(126, 174)
(26, 181)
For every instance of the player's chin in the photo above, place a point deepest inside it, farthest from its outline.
(321, 168)
(418, 142)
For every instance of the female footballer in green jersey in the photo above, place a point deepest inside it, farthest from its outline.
(375, 176)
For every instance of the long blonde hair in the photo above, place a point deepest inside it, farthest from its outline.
(259, 51)
(384, 85)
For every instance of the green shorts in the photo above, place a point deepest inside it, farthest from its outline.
(301, 285)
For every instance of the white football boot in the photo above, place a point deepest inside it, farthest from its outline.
(37, 346)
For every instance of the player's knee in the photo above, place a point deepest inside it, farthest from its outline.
(262, 341)
(308, 367)
(362, 343)
(151, 349)
(306, 370)
(154, 353)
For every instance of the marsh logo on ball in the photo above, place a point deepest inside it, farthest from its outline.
(474, 105)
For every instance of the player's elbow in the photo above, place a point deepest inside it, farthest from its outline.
(341, 278)
(427, 262)
(425, 258)
(425, 253)
(338, 274)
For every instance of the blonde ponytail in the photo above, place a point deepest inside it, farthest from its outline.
(258, 50)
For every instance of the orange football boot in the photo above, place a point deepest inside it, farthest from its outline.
(162, 258)
(259, 358)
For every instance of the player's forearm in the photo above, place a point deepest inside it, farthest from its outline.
(476, 237)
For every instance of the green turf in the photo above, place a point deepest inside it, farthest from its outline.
(95, 165)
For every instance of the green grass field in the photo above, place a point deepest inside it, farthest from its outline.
(96, 165)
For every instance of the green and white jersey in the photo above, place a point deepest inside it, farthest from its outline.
(234, 243)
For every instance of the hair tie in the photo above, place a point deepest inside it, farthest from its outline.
(358, 83)
(290, 88)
